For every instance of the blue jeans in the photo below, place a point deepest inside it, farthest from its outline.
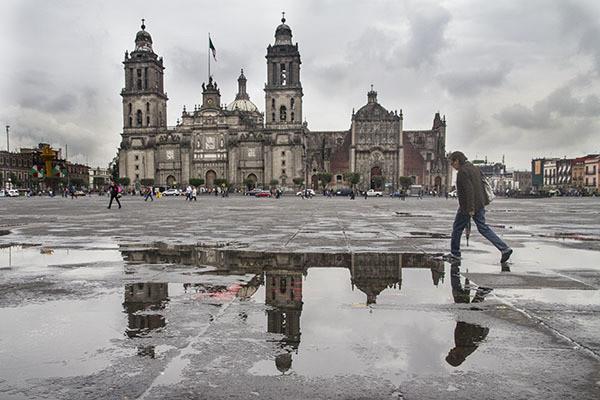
(460, 222)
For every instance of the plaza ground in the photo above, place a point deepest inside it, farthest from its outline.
(71, 329)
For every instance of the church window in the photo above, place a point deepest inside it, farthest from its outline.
(283, 154)
(137, 176)
(130, 122)
(130, 78)
(147, 107)
(129, 107)
(283, 172)
(137, 157)
(283, 163)
(282, 113)
(273, 117)
(338, 178)
(147, 121)
(283, 74)
(292, 103)
(273, 103)
(292, 116)
(139, 79)
(146, 78)
(139, 118)
(137, 167)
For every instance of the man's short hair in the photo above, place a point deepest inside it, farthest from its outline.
(459, 156)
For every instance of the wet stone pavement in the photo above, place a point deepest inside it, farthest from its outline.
(244, 298)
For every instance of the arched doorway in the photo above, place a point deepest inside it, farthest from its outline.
(210, 178)
(251, 181)
(171, 181)
(376, 178)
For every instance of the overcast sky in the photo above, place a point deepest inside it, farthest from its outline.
(514, 78)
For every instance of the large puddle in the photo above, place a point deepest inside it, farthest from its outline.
(324, 314)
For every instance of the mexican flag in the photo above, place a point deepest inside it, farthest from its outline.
(37, 171)
(211, 47)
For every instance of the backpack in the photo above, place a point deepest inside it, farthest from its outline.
(119, 189)
(488, 192)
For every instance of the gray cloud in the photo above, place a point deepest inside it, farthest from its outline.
(470, 81)
(427, 34)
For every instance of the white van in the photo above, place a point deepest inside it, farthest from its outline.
(415, 190)
(12, 193)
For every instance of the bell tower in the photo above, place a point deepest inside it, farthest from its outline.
(144, 98)
(283, 91)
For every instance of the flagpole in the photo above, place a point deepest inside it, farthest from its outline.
(208, 54)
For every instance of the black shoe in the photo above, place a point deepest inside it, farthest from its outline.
(450, 257)
(506, 255)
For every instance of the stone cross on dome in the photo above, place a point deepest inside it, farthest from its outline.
(283, 17)
(143, 24)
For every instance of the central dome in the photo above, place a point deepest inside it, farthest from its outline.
(242, 105)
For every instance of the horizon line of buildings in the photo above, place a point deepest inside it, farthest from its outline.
(582, 173)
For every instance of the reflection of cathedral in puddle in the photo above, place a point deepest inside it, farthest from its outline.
(284, 295)
(372, 273)
(143, 302)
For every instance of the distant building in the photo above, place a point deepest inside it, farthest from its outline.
(99, 177)
(537, 173)
(592, 174)
(550, 173)
(564, 173)
(16, 168)
(522, 181)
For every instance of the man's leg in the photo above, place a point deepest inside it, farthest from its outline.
(460, 222)
(487, 232)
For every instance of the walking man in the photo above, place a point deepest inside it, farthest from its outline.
(114, 194)
(472, 201)
(148, 194)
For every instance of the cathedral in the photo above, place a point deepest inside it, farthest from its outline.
(245, 147)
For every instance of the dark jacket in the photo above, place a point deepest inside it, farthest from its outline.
(469, 189)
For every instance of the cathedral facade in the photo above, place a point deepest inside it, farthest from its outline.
(246, 147)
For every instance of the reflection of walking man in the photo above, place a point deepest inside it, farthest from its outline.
(472, 201)
(466, 339)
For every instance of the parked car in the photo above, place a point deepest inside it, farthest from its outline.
(343, 192)
(398, 193)
(79, 193)
(452, 193)
(11, 193)
(171, 192)
(374, 193)
(263, 193)
(253, 192)
(309, 191)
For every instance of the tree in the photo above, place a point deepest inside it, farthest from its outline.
(378, 181)
(147, 182)
(352, 177)
(220, 182)
(196, 182)
(274, 182)
(78, 182)
(298, 181)
(405, 182)
(249, 183)
(125, 181)
(98, 181)
(325, 178)
(15, 181)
